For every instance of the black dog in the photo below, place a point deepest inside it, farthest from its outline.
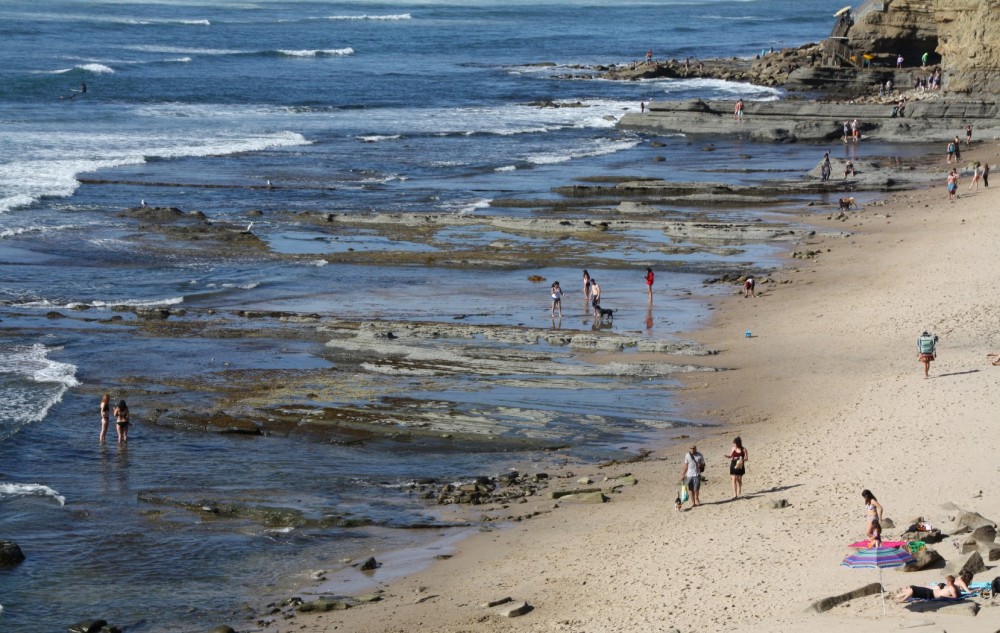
(605, 314)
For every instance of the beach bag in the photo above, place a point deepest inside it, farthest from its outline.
(701, 466)
(926, 344)
(684, 493)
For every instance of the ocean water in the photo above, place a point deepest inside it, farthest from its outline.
(280, 107)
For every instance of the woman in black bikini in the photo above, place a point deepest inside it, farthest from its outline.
(737, 466)
(121, 421)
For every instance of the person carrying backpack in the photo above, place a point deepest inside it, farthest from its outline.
(927, 350)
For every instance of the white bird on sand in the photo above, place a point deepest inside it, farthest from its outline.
(142, 202)
(268, 184)
(249, 226)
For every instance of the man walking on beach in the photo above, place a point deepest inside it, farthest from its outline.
(694, 464)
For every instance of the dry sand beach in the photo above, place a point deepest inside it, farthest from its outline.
(829, 399)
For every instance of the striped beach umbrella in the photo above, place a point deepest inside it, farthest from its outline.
(879, 558)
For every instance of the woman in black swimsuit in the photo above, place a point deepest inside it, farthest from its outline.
(737, 466)
(121, 421)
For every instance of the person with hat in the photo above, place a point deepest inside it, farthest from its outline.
(694, 465)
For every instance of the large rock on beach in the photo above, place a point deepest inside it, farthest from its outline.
(925, 558)
(10, 553)
(821, 606)
(973, 564)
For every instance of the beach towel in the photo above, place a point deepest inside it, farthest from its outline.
(684, 493)
(866, 544)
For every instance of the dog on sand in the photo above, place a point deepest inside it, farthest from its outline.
(847, 203)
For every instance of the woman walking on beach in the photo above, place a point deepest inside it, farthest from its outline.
(737, 466)
(975, 175)
(873, 515)
(927, 350)
(586, 287)
(649, 283)
(986, 174)
(121, 421)
(952, 185)
(105, 415)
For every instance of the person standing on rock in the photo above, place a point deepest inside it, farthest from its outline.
(968, 136)
(899, 61)
(649, 283)
(694, 465)
(855, 130)
(923, 60)
(927, 350)
(738, 111)
(649, 56)
(825, 169)
(847, 131)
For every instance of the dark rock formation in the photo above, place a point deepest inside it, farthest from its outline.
(10, 553)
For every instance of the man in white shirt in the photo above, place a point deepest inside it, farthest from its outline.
(694, 464)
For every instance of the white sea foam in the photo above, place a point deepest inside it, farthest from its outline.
(596, 148)
(99, 69)
(21, 230)
(464, 207)
(324, 52)
(720, 87)
(30, 385)
(392, 17)
(186, 50)
(47, 304)
(30, 490)
(318, 262)
(152, 21)
(506, 168)
(53, 172)
(375, 138)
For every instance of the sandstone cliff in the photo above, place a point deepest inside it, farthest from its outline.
(960, 35)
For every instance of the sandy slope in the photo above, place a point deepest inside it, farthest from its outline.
(829, 399)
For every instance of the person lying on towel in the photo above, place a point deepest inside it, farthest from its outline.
(945, 591)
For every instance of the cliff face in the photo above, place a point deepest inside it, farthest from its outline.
(959, 35)
(969, 45)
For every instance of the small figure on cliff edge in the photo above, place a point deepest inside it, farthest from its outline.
(899, 61)
(649, 56)
(923, 60)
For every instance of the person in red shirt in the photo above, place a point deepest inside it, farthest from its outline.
(649, 282)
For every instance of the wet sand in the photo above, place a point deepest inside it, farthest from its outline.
(829, 399)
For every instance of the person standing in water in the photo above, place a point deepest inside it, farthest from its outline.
(595, 294)
(122, 421)
(556, 299)
(105, 415)
(649, 283)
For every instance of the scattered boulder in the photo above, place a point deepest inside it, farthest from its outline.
(926, 558)
(969, 521)
(369, 564)
(586, 497)
(498, 602)
(990, 551)
(821, 606)
(222, 628)
(515, 610)
(88, 626)
(559, 494)
(984, 534)
(972, 564)
(10, 553)
(322, 605)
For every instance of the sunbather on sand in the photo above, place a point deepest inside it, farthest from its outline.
(946, 591)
